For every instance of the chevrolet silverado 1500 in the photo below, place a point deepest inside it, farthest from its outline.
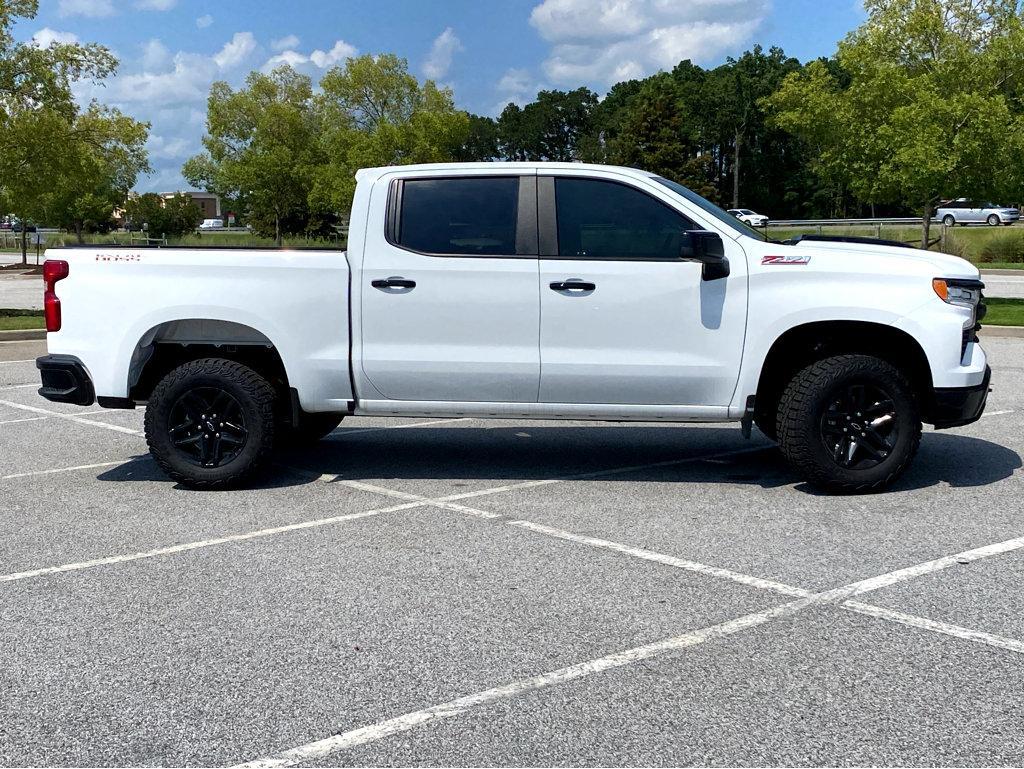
(523, 291)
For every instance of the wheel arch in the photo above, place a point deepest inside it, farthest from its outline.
(172, 343)
(807, 343)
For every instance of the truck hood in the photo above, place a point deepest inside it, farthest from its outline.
(943, 265)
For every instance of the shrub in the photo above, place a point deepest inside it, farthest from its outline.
(1003, 247)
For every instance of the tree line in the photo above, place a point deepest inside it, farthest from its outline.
(921, 103)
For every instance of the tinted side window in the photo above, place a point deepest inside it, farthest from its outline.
(472, 216)
(607, 220)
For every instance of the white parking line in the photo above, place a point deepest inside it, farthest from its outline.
(19, 421)
(71, 418)
(998, 413)
(321, 749)
(188, 546)
(19, 387)
(956, 631)
(29, 360)
(357, 430)
(668, 560)
(55, 470)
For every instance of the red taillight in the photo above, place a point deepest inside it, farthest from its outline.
(53, 271)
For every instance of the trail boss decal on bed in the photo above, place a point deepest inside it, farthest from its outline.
(788, 259)
(118, 257)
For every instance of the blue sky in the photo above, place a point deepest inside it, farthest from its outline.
(488, 52)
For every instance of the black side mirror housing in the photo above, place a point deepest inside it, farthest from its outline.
(708, 249)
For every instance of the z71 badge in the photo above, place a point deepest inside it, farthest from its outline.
(787, 259)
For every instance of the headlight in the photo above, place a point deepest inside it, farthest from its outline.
(965, 293)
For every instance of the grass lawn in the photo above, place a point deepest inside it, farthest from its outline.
(19, 320)
(1004, 312)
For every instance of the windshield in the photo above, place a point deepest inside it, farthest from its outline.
(710, 208)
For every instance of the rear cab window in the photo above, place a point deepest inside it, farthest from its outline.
(462, 216)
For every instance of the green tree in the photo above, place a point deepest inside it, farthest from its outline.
(925, 108)
(481, 143)
(374, 113)
(550, 128)
(39, 138)
(262, 147)
(104, 155)
(161, 217)
(733, 95)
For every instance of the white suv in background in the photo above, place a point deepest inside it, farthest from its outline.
(747, 216)
(212, 224)
(964, 211)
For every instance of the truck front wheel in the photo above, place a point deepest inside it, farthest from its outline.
(210, 423)
(849, 423)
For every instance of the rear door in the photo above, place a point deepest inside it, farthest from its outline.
(623, 319)
(450, 310)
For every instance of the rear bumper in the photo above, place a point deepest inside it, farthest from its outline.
(65, 380)
(958, 406)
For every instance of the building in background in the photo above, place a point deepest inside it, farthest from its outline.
(209, 204)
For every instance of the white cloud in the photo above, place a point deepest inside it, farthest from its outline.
(293, 59)
(177, 148)
(236, 51)
(336, 55)
(286, 43)
(312, 63)
(515, 82)
(204, 21)
(155, 5)
(46, 37)
(155, 55)
(91, 8)
(444, 48)
(604, 41)
(516, 86)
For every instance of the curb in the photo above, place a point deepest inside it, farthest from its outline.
(1002, 332)
(27, 335)
(1015, 273)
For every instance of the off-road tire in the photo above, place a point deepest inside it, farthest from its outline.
(256, 399)
(803, 406)
(311, 428)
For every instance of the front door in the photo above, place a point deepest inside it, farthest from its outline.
(450, 310)
(623, 319)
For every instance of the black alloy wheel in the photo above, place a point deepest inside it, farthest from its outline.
(860, 426)
(207, 426)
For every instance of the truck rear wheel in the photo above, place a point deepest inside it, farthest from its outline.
(849, 423)
(210, 423)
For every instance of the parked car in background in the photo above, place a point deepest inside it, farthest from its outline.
(965, 211)
(212, 224)
(749, 217)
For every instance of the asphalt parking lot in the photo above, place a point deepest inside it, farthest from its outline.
(469, 592)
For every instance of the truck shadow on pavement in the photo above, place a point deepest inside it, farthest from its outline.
(704, 455)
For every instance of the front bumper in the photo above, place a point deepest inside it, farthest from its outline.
(958, 406)
(65, 380)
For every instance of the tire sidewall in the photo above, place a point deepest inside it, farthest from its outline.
(814, 457)
(259, 425)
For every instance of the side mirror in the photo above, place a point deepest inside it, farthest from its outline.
(707, 248)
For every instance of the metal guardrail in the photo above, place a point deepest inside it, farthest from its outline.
(843, 222)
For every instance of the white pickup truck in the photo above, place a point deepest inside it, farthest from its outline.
(524, 291)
